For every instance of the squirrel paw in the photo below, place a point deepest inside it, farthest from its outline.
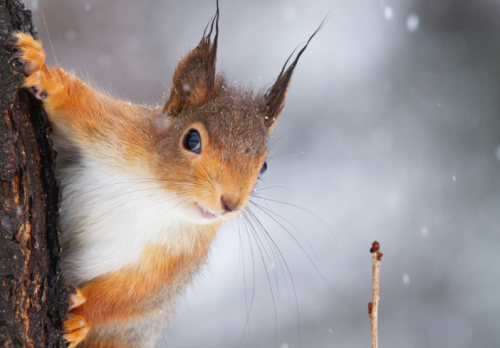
(75, 325)
(76, 329)
(30, 54)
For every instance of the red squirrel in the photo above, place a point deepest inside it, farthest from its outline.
(145, 188)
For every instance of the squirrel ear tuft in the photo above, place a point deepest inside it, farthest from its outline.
(276, 95)
(194, 77)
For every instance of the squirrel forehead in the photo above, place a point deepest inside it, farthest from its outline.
(233, 118)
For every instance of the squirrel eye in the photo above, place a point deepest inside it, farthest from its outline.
(192, 141)
(263, 169)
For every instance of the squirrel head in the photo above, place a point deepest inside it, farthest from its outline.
(211, 145)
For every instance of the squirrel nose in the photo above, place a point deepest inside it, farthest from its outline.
(229, 204)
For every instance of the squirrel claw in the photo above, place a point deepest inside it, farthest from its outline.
(76, 298)
(40, 95)
(15, 55)
(71, 289)
(10, 42)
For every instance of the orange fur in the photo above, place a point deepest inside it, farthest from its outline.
(120, 296)
(99, 342)
(234, 185)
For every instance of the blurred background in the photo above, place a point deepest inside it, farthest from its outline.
(391, 132)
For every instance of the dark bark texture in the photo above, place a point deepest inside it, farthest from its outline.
(33, 301)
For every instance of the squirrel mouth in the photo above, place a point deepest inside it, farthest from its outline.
(206, 213)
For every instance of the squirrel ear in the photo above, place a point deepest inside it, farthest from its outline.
(276, 95)
(193, 82)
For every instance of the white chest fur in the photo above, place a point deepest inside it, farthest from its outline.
(108, 216)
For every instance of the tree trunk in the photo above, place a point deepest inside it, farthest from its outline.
(33, 301)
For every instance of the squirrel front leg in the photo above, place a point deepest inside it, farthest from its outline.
(117, 296)
(77, 113)
(113, 297)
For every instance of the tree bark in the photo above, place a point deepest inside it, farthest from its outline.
(33, 300)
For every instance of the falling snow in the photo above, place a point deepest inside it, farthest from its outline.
(425, 231)
(412, 23)
(388, 13)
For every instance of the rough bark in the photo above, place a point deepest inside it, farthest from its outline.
(33, 301)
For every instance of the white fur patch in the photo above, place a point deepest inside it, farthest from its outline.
(108, 216)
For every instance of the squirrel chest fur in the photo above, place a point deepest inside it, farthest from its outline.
(146, 188)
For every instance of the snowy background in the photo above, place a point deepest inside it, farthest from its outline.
(391, 132)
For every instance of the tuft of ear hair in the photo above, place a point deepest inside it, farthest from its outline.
(275, 96)
(194, 77)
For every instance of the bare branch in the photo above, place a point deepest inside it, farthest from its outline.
(373, 305)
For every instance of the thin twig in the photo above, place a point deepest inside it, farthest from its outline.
(373, 305)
